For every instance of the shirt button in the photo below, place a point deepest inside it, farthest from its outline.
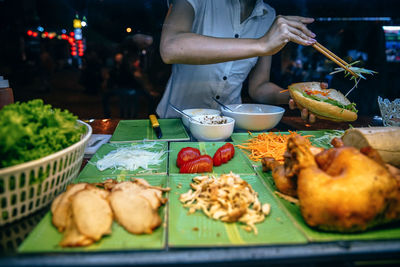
(217, 96)
(224, 78)
(236, 35)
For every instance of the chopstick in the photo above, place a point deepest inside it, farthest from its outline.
(329, 54)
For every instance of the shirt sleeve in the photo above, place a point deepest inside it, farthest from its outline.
(196, 4)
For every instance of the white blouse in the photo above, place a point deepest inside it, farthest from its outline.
(193, 86)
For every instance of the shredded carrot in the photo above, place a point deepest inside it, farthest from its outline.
(282, 91)
(267, 145)
(324, 93)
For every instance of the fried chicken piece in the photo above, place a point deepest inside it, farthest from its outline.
(59, 207)
(343, 190)
(372, 154)
(337, 142)
(132, 210)
(91, 212)
(285, 175)
(285, 183)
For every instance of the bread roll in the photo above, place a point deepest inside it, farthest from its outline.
(385, 140)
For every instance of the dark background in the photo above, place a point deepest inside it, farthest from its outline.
(43, 68)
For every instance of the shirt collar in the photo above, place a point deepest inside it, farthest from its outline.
(260, 8)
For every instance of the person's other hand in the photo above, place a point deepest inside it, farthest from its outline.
(307, 116)
(285, 29)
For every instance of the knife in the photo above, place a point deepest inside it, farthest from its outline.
(155, 125)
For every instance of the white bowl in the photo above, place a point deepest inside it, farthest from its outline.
(211, 132)
(254, 117)
(196, 112)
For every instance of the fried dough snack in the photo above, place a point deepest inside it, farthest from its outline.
(92, 213)
(341, 189)
(83, 213)
(227, 198)
(72, 237)
(61, 205)
(135, 205)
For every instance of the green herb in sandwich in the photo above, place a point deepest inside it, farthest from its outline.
(351, 106)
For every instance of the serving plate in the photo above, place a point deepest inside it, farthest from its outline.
(139, 130)
(389, 231)
(198, 230)
(321, 139)
(45, 237)
(91, 173)
(238, 164)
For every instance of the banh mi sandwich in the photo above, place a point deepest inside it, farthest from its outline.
(328, 104)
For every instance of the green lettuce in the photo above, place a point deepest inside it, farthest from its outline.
(32, 130)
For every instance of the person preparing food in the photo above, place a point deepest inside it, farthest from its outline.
(215, 45)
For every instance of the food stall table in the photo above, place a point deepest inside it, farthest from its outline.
(336, 252)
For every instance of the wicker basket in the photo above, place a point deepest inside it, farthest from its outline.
(19, 198)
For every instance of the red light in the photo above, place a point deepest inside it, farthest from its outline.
(71, 34)
(29, 32)
(35, 34)
(81, 54)
(73, 53)
(64, 36)
(71, 39)
(46, 34)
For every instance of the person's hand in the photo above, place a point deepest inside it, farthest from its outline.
(307, 116)
(285, 29)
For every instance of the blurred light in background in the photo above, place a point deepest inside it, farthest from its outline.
(354, 19)
(77, 23)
